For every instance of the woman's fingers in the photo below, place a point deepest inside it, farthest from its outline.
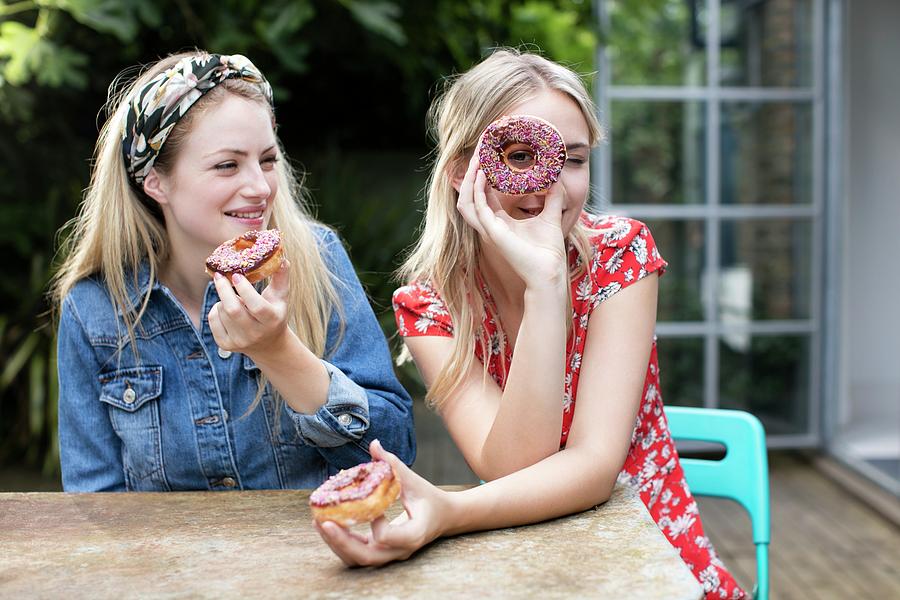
(280, 285)
(465, 203)
(241, 306)
(262, 306)
(232, 307)
(357, 550)
(494, 219)
(554, 202)
(218, 329)
(401, 471)
(479, 195)
(255, 305)
(409, 481)
(341, 542)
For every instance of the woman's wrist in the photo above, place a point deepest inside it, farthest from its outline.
(276, 350)
(293, 370)
(458, 513)
(551, 290)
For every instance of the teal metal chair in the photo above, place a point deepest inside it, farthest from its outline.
(743, 475)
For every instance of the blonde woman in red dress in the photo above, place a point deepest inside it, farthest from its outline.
(532, 324)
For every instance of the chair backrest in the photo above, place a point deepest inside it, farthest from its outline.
(743, 475)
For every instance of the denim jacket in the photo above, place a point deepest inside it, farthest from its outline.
(175, 417)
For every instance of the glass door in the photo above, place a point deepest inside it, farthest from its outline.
(715, 115)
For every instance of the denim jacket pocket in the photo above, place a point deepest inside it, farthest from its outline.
(286, 434)
(132, 397)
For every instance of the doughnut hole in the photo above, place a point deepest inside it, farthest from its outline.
(242, 243)
(518, 156)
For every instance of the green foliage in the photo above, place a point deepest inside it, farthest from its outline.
(29, 55)
(121, 18)
(379, 17)
(649, 42)
(352, 80)
(556, 31)
(28, 383)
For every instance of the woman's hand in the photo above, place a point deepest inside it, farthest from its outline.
(535, 247)
(427, 507)
(243, 320)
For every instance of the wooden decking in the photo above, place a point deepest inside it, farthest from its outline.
(825, 543)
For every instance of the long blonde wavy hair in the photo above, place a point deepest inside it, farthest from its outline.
(118, 226)
(446, 254)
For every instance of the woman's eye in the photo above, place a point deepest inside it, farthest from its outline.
(521, 158)
(269, 162)
(225, 166)
(574, 160)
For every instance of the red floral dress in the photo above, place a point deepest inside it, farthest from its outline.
(624, 252)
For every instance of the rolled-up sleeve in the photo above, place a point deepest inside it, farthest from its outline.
(365, 400)
(344, 416)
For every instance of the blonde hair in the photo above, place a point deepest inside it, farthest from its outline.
(113, 203)
(446, 254)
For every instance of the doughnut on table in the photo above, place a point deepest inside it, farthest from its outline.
(262, 544)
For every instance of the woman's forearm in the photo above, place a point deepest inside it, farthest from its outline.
(527, 426)
(297, 373)
(567, 482)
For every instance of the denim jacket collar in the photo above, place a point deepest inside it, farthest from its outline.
(136, 286)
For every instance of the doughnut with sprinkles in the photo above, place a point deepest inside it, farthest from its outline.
(356, 495)
(255, 255)
(521, 154)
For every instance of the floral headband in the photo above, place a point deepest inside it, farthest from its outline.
(159, 104)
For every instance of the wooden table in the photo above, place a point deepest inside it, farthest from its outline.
(261, 544)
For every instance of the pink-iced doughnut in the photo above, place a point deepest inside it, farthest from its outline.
(356, 495)
(521, 154)
(255, 255)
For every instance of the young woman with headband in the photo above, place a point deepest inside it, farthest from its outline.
(172, 381)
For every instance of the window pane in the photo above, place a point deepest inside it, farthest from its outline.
(681, 371)
(766, 43)
(766, 153)
(657, 42)
(682, 244)
(765, 270)
(658, 151)
(768, 376)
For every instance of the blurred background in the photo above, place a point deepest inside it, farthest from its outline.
(759, 139)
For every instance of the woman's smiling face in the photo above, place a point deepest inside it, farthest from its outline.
(223, 181)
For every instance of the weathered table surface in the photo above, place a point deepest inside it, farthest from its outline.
(262, 544)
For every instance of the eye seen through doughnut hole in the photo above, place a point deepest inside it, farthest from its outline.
(518, 156)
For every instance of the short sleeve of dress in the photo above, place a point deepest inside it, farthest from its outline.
(625, 253)
(420, 311)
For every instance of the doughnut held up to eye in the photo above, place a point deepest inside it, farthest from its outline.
(255, 255)
(356, 495)
(521, 154)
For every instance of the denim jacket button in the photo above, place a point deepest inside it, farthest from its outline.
(229, 482)
(224, 353)
(129, 396)
(345, 420)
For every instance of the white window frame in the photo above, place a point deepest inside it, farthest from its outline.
(822, 94)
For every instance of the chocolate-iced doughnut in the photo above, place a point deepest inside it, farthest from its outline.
(356, 495)
(255, 255)
(521, 154)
